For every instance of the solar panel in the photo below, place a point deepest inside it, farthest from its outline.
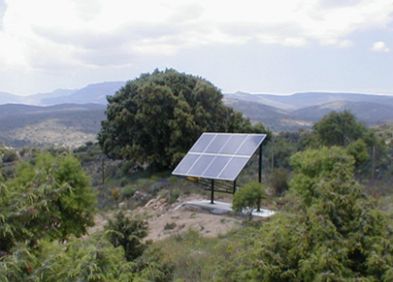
(219, 155)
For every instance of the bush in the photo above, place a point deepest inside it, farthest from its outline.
(279, 181)
(9, 156)
(127, 233)
(173, 195)
(115, 192)
(128, 191)
(50, 199)
(170, 226)
(249, 197)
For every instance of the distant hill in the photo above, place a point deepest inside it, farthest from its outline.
(72, 116)
(6, 98)
(93, 93)
(276, 119)
(368, 112)
(68, 125)
(39, 99)
(301, 110)
(308, 99)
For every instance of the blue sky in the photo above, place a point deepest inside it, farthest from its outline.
(258, 46)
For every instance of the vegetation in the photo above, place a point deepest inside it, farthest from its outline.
(45, 207)
(328, 227)
(155, 118)
(49, 199)
(249, 198)
(128, 234)
(331, 232)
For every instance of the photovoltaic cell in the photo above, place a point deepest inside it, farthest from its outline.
(249, 146)
(216, 166)
(218, 142)
(201, 144)
(185, 164)
(234, 167)
(219, 155)
(233, 145)
(200, 165)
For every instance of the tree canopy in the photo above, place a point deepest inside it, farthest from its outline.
(336, 235)
(155, 118)
(50, 198)
(339, 128)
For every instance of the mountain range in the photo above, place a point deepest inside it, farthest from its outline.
(91, 94)
(300, 110)
(70, 117)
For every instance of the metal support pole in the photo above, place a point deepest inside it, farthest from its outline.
(234, 186)
(212, 193)
(260, 165)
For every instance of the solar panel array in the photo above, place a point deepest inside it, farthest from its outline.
(219, 155)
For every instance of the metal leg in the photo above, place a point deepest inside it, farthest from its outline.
(234, 186)
(260, 165)
(212, 193)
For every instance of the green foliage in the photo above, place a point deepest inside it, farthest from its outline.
(338, 235)
(93, 259)
(155, 118)
(358, 150)
(8, 156)
(339, 128)
(127, 233)
(279, 181)
(128, 191)
(152, 266)
(313, 165)
(51, 198)
(248, 197)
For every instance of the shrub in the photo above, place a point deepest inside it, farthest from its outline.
(115, 192)
(170, 226)
(279, 181)
(9, 156)
(128, 191)
(127, 233)
(249, 197)
(173, 195)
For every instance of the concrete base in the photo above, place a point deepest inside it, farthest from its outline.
(222, 208)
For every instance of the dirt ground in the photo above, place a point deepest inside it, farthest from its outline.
(166, 220)
(174, 220)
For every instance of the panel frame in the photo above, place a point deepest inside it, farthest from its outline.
(218, 154)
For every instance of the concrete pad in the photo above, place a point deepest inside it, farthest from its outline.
(222, 208)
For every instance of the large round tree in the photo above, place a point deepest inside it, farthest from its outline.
(155, 118)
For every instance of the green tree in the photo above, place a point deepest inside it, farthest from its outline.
(339, 128)
(358, 150)
(279, 181)
(155, 118)
(51, 198)
(249, 197)
(127, 233)
(92, 259)
(336, 235)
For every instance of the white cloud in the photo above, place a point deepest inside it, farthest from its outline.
(380, 46)
(47, 34)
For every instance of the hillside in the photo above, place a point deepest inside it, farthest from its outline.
(370, 113)
(73, 116)
(93, 93)
(301, 110)
(307, 99)
(6, 98)
(67, 125)
(276, 119)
